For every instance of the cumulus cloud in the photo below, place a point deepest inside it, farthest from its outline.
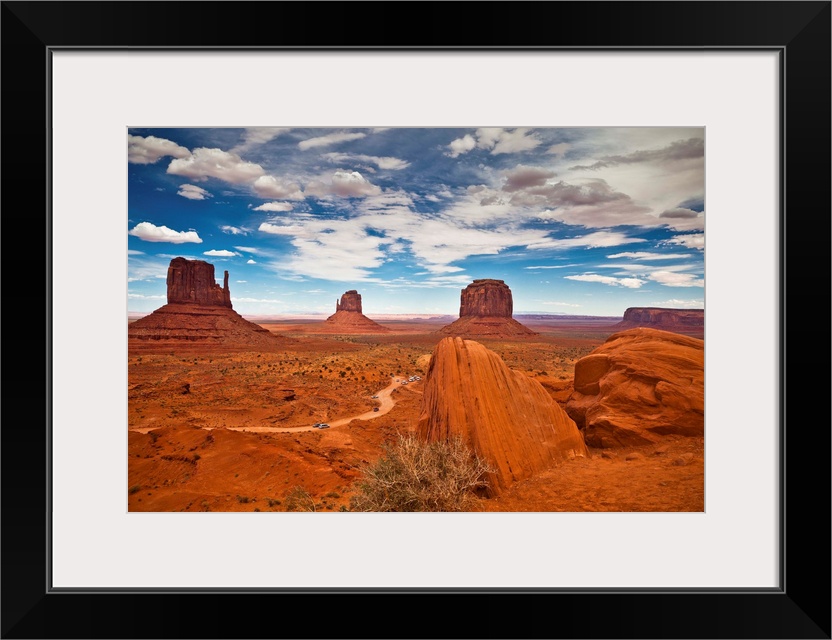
(675, 279)
(648, 255)
(690, 240)
(630, 283)
(234, 231)
(274, 206)
(206, 163)
(523, 177)
(272, 187)
(192, 192)
(250, 261)
(346, 184)
(678, 150)
(148, 150)
(327, 140)
(382, 162)
(461, 145)
(255, 136)
(496, 140)
(151, 233)
(220, 253)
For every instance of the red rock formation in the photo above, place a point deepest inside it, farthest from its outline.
(640, 385)
(350, 301)
(485, 309)
(688, 321)
(198, 312)
(505, 416)
(348, 317)
(193, 282)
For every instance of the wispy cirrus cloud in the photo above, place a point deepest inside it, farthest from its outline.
(382, 162)
(678, 150)
(328, 140)
(629, 283)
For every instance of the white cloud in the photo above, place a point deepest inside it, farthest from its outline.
(552, 266)
(215, 163)
(248, 250)
(591, 241)
(271, 187)
(255, 136)
(558, 149)
(241, 281)
(192, 192)
(234, 231)
(148, 150)
(134, 252)
(142, 296)
(220, 253)
(461, 145)
(685, 304)
(675, 279)
(691, 240)
(523, 177)
(647, 255)
(630, 283)
(250, 261)
(382, 162)
(151, 233)
(346, 184)
(274, 206)
(325, 141)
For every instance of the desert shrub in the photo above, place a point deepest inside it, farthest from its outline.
(413, 475)
(299, 499)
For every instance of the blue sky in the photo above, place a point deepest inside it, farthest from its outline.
(585, 221)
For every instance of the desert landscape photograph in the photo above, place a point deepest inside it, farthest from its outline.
(484, 319)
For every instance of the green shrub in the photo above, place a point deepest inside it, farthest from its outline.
(413, 475)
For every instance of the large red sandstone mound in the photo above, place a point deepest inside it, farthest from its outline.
(690, 321)
(640, 385)
(349, 318)
(485, 310)
(505, 416)
(198, 312)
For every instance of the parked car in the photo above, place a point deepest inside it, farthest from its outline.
(324, 426)
(375, 397)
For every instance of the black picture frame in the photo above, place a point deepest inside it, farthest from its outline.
(799, 608)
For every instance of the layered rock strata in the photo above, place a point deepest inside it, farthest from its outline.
(485, 309)
(349, 317)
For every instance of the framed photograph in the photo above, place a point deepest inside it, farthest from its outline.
(743, 87)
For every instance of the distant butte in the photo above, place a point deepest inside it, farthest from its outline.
(485, 309)
(349, 318)
(198, 312)
(503, 415)
(687, 321)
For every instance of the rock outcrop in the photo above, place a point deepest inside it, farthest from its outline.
(193, 282)
(198, 314)
(503, 415)
(688, 321)
(639, 386)
(485, 309)
(349, 317)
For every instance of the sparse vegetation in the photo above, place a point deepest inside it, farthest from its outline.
(299, 499)
(413, 475)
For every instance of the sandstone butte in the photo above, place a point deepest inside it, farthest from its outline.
(485, 309)
(677, 320)
(198, 311)
(639, 386)
(349, 318)
(506, 417)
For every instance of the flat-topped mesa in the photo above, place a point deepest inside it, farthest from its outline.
(485, 308)
(350, 301)
(486, 298)
(193, 282)
(688, 321)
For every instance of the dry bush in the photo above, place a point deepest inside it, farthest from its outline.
(413, 475)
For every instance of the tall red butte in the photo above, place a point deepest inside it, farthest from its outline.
(349, 317)
(485, 309)
(503, 415)
(198, 312)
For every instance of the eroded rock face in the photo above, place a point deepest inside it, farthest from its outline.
(350, 301)
(193, 282)
(690, 321)
(485, 310)
(640, 385)
(505, 416)
(486, 299)
(348, 317)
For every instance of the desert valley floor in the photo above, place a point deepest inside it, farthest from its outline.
(219, 429)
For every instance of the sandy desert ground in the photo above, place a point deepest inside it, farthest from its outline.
(225, 430)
